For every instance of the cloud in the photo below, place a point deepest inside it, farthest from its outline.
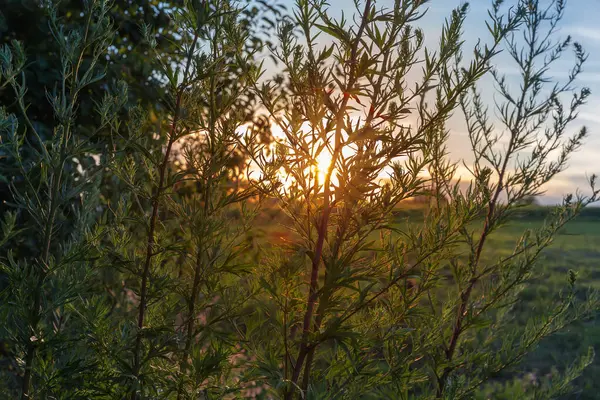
(508, 70)
(589, 117)
(573, 179)
(583, 32)
(589, 77)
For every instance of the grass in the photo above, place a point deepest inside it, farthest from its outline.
(576, 247)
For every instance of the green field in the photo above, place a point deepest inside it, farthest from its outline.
(576, 247)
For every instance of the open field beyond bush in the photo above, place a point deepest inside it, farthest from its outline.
(576, 247)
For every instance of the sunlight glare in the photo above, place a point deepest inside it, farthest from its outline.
(323, 163)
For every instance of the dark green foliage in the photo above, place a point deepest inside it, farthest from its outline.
(54, 196)
(129, 59)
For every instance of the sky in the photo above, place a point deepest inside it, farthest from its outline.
(581, 22)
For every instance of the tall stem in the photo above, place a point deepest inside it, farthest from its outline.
(515, 128)
(198, 268)
(190, 322)
(324, 220)
(56, 182)
(466, 294)
(154, 217)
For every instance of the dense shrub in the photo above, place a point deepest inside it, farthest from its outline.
(134, 261)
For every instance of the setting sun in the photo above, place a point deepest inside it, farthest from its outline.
(323, 163)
